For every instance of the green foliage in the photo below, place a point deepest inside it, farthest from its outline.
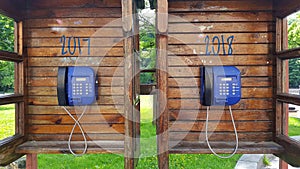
(266, 161)
(6, 44)
(294, 126)
(147, 48)
(7, 33)
(294, 42)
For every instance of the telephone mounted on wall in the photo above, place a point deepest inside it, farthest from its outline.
(220, 85)
(76, 86)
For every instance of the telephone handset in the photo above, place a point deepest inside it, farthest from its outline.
(220, 85)
(76, 86)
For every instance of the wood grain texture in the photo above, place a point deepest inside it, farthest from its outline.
(223, 147)
(218, 16)
(217, 136)
(239, 38)
(36, 4)
(58, 147)
(7, 149)
(45, 24)
(194, 104)
(57, 110)
(251, 5)
(74, 12)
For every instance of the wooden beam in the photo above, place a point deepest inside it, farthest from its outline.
(162, 85)
(283, 8)
(127, 19)
(291, 151)
(7, 149)
(289, 54)
(31, 161)
(289, 98)
(14, 98)
(10, 56)
(11, 9)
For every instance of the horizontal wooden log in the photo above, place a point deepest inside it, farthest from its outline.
(222, 126)
(7, 149)
(289, 98)
(10, 56)
(253, 60)
(78, 32)
(13, 98)
(220, 16)
(186, 147)
(74, 13)
(58, 147)
(251, 5)
(289, 54)
(224, 115)
(94, 52)
(199, 38)
(52, 91)
(58, 110)
(194, 104)
(237, 49)
(246, 82)
(45, 72)
(55, 42)
(245, 71)
(220, 136)
(76, 137)
(52, 100)
(66, 119)
(72, 4)
(291, 150)
(234, 27)
(52, 82)
(76, 61)
(8, 8)
(174, 93)
(88, 128)
(285, 8)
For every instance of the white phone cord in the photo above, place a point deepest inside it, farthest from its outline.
(82, 132)
(235, 131)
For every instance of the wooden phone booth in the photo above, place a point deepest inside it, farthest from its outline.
(250, 35)
(100, 35)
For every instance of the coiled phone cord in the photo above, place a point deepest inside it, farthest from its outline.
(82, 132)
(235, 131)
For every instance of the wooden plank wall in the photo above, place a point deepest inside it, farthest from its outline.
(96, 25)
(209, 32)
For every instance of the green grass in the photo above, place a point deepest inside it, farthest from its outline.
(294, 126)
(7, 121)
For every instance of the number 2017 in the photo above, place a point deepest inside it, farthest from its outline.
(75, 41)
(216, 44)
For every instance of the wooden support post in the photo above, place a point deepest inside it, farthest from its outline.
(31, 161)
(162, 84)
(129, 147)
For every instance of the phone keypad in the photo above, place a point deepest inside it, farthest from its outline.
(226, 89)
(81, 89)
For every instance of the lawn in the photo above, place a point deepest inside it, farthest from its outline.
(7, 121)
(294, 126)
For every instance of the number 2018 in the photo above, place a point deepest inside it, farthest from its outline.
(216, 44)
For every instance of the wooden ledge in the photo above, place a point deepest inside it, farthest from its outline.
(188, 147)
(61, 147)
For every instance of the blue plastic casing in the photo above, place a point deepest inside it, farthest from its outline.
(224, 87)
(81, 86)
